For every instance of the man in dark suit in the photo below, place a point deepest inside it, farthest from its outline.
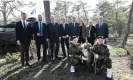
(53, 31)
(102, 29)
(64, 35)
(41, 37)
(74, 28)
(23, 37)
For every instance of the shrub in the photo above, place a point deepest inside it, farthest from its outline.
(121, 51)
(12, 57)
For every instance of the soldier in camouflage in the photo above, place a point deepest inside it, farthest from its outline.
(74, 54)
(102, 56)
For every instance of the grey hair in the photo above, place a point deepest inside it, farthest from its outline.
(100, 17)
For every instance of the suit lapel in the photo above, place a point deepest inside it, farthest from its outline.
(26, 24)
(21, 24)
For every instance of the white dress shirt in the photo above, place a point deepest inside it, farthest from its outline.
(24, 21)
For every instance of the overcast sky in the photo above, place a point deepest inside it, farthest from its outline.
(40, 7)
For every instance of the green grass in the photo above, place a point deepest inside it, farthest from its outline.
(128, 78)
(121, 51)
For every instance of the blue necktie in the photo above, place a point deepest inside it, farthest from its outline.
(100, 24)
(41, 32)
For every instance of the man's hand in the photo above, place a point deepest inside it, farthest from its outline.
(67, 36)
(47, 39)
(18, 43)
(38, 34)
(59, 38)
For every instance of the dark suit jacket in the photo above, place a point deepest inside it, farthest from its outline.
(23, 35)
(92, 31)
(66, 31)
(102, 31)
(74, 31)
(53, 31)
(36, 30)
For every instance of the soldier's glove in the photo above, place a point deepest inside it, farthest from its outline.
(96, 56)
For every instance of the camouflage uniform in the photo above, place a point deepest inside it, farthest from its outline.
(74, 55)
(103, 52)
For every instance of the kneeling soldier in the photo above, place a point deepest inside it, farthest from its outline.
(74, 54)
(102, 56)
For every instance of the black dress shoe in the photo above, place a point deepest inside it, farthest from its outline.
(64, 57)
(27, 64)
(58, 58)
(38, 59)
(22, 65)
(44, 61)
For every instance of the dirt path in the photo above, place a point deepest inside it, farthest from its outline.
(121, 66)
(59, 70)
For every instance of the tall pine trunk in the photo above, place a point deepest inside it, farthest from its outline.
(128, 28)
(47, 10)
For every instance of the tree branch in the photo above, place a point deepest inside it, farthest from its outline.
(11, 10)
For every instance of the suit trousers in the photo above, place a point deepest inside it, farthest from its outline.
(54, 47)
(24, 50)
(65, 41)
(41, 41)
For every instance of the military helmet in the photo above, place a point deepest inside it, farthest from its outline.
(100, 37)
(73, 38)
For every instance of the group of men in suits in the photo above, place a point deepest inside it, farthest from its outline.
(51, 34)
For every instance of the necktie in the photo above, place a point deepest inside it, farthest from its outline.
(53, 24)
(40, 28)
(100, 24)
(74, 24)
(24, 25)
(64, 26)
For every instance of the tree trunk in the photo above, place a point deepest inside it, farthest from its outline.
(85, 12)
(128, 28)
(4, 17)
(4, 12)
(65, 12)
(116, 18)
(47, 10)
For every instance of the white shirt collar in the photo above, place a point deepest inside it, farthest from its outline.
(25, 22)
(39, 21)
